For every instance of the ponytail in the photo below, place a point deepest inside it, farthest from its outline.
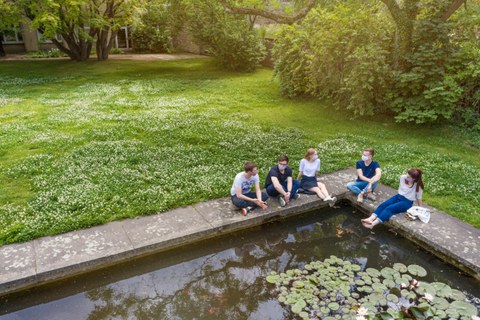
(416, 175)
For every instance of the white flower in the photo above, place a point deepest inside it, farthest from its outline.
(428, 296)
(361, 318)
(362, 312)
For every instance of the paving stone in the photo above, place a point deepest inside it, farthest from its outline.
(159, 230)
(68, 252)
(17, 261)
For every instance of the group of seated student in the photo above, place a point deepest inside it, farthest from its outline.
(280, 183)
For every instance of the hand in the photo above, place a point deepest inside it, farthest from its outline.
(287, 197)
(261, 204)
(369, 187)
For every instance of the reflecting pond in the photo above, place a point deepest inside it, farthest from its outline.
(224, 278)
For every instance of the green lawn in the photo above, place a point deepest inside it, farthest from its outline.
(86, 143)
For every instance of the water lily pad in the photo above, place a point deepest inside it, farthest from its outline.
(425, 287)
(355, 267)
(333, 306)
(400, 267)
(273, 279)
(359, 282)
(303, 315)
(462, 308)
(296, 308)
(417, 270)
(441, 303)
(442, 289)
(458, 295)
(325, 310)
(374, 273)
(392, 298)
(388, 273)
(389, 283)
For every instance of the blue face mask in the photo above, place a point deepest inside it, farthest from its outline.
(282, 166)
(364, 158)
(408, 180)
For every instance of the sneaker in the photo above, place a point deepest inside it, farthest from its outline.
(360, 198)
(245, 211)
(372, 197)
(297, 196)
(282, 201)
(331, 201)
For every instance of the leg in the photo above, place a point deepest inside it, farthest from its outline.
(318, 192)
(323, 188)
(272, 191)
(240, 203)
(295, 186)
(401, 205)
(356, 186)
(380, 209)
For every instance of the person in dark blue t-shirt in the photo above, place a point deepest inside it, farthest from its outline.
(279, 181)
(369, 174)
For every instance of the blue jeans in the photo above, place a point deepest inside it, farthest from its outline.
(243, 204)
(273, 192)
(392, 206)
(359, 186)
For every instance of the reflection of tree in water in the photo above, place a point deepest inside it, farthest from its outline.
(229, 284)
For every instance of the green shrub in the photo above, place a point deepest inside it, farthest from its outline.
(116, 51)
(339, 54)
(230, 38)
(51, 53)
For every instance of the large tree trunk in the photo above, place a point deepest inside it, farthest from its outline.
(2, 50)
(105, 40)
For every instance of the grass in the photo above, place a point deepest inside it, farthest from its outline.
(84, 144)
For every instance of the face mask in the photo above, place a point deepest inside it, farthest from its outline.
(315, 157)
(282, 166)
(408, 180)
(364, 158)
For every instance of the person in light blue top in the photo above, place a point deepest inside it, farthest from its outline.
(409, 191)
(309, 168)
(368, 176)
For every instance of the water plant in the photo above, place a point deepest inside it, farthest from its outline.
(339, 289)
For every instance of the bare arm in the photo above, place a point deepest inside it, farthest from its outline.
(259, 201)
(278, 186)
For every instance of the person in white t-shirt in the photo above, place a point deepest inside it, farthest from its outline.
(309, 168)
(241, 193)
(409, 191)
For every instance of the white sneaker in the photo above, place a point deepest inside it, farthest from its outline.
(282, 201)
(331, 201)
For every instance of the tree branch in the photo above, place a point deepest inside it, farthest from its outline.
(277, 17)
(394, 9)
(452, 8)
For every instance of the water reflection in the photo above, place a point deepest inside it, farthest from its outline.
(224, 278)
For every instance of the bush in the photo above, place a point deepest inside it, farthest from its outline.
(157, 26)
(52, 53)
(230, 38)
(338, 54)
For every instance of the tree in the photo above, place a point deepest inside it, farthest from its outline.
(9, 16)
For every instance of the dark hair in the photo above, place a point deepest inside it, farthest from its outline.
(416, 175)
(372, 152)
(283, 157)
(249, 166)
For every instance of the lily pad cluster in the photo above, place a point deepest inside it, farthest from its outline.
(338, 289)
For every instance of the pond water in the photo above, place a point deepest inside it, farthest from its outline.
(224, 278)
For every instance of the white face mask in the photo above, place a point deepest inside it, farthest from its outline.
(282, 166)
(364, 158)
(315, 157)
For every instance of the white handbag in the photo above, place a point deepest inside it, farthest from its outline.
(423, 214)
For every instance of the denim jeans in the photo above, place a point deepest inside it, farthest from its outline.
(273, 192)
(359, 186)
(392, 206)
(243, 204)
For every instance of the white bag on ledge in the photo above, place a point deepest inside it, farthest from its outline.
(423, 214)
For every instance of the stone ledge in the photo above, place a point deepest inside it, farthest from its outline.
(50, 259)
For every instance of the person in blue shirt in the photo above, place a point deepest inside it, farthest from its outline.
(368, 176)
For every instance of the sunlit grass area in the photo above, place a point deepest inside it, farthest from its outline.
(83, 144)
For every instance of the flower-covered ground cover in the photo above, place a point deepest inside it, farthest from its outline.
(84, 144)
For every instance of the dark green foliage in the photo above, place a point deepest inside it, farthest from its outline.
(419, 67)
(230, 38)
(340, 54)
(157, 26)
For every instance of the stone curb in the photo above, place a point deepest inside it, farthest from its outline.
(49, 259)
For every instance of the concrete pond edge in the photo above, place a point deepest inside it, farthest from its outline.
(49, 259)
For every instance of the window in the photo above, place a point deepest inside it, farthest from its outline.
(121, 40)
(42, 39)
(13, 35)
